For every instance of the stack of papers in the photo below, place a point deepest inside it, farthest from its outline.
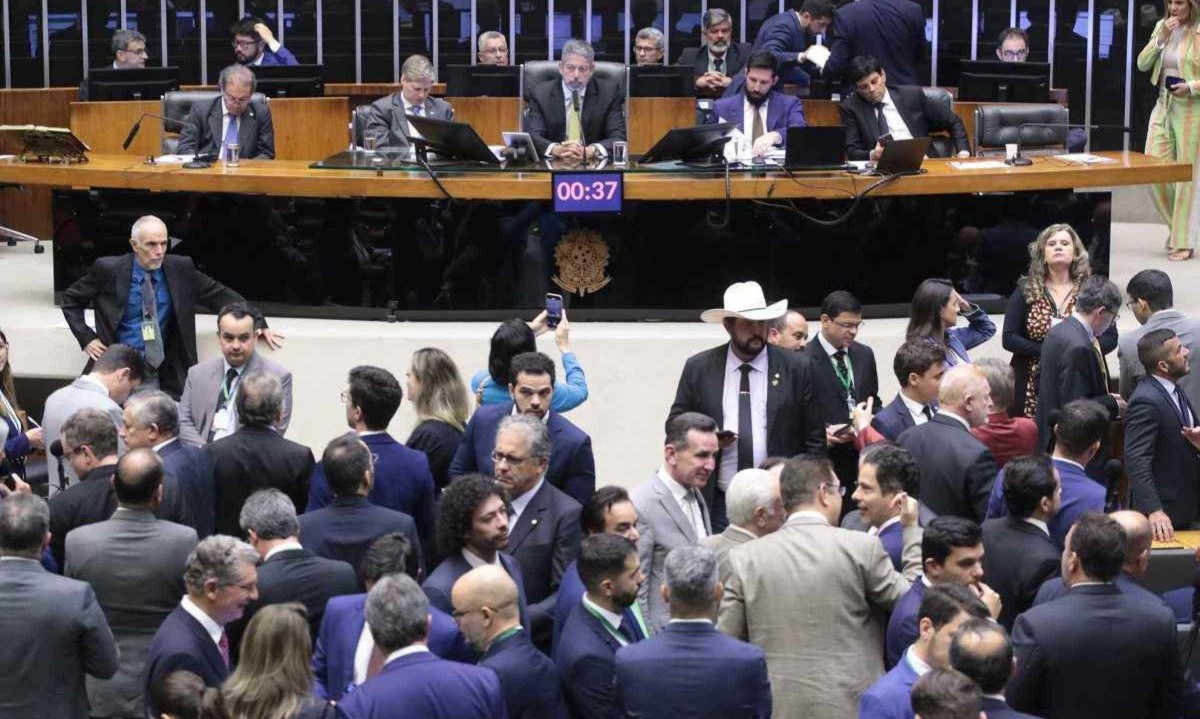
(1084, 158)
(817, 55)
(173, 159)
(979, 165)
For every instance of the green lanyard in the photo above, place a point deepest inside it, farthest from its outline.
(614, 631)
(845, 377)
(227, 388)
(506, 634)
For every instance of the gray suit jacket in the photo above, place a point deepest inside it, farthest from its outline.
(1188, 330)
(662, 526)
(135, 563)
(66, 401)
(198, 403)
(387, 114)
(814, 598)
(54, 632)
(723, 543)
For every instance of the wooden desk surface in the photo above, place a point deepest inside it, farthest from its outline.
(295, 178)
(1188, 539)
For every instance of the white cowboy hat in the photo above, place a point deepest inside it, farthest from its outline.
(745, 300)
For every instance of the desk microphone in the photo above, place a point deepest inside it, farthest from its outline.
(1018, 161)
(1113, 471)
(56, 450)
(133, 131)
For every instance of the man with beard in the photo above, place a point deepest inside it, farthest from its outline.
(762, 115)
(575, 117)
(760, 395)
(720, 58)
(255, 44)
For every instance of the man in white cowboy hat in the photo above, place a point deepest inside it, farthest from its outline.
(757, 391)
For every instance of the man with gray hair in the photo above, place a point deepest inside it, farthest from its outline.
(388, 116)
(89, 442)
(54, 629)
(129, 50)
(413, 681)
(755, 510)
(648, 46)
(691, 669)
(1007, 437)
(256, 457)
(235, 119)
(493, 48)
(289, 572)
(576, 116)
(720, 58)
(220, 579)
(544, 531)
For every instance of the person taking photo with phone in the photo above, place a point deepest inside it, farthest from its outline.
(490, 386)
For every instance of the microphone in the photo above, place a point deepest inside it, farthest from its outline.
(1018, 161)
(56, 450)
(133, 131)
(1113, 471)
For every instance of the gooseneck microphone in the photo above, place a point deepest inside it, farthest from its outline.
(133, 131)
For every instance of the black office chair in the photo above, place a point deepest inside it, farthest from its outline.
(177, 105)
(999, 125)
(943, 146)
(535, 72)
(359, 121)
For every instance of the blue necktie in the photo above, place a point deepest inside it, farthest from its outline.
(629, 628)
(231, 132)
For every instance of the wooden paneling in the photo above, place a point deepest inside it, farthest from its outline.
(28, 210)
(647, 119)
(488, 115)
(104, 126)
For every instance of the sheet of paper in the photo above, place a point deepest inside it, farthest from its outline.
(173, 159)
(1084, 158)
(979, 165)
(817, 55)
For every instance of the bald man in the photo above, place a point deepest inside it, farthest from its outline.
(1138, 538)
(485, 603)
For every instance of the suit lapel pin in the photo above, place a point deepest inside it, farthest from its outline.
(533, 523)
(775, 380)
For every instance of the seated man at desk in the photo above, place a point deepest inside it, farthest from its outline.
(876, 110)
(763, 114)
(576, 116)
(233, 118)
(1013, 46)
(255, 44)
(648, 46)
(493, 48)
(129, 53)
(720, 58)
(389, 115)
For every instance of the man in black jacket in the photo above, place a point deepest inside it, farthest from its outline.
(89, 442)
(720, 58)
(576, 116)
(234, 118)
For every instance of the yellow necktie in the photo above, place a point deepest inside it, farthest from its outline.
(1103, 363)
(574, 126)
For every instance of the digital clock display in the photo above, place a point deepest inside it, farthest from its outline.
(587, 191)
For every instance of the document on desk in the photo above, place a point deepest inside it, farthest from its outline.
(1084, 158)
(979, 165)
(173, 159)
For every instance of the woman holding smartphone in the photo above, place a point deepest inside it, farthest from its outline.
(19, 438)
(1172, 57)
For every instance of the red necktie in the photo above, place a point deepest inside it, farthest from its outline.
(223, 647)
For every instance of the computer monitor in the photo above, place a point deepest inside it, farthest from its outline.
(690, 144)
(997, 81)
(452, 140)
(483, 80)
(290, 80)
(661, 81)
(143, 83)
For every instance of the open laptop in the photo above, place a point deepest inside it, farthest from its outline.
(815, 148)
(903, 157)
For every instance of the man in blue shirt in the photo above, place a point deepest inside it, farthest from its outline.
(255, 44)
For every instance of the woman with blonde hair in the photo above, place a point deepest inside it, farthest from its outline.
(1172, 57)
(19, 440)
(1045, 296)
(437, 391)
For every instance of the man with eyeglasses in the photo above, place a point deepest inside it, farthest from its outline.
(255, 44)
(648, 46)
(236, 117)
(129, 53)
(89, 442)
(1013, 46)
(715, 63)
(493, 48)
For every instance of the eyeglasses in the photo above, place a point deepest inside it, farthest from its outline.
(246, 43)
(250, 586)
(459, 613)
(849, 325)
(141, 52)
(76, 450)
(344, 395)
(839, 489)
(1013, 55)
(509, 459)
(641, 50)
(236, 100)
(1132, 305)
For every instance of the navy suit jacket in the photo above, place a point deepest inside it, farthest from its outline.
(422, 685)
(889, 696)
(345, 529)
(783, 111)
(441, 580)
(570, 595)
(528, 679)
(1163, 467)
(586, 661)
(1080, 494)
(892, 420)
(192, 498)
(544, 541)
(1018, 558)
(998, 709)
(892, 539)
(782, 36)
(572, 466)
(403, 482)
(181, 643)
(892, 31)
(1054, 588)
(902, 625)
(692, 670)
(1069, 370)
(337, 640)
(957, 470)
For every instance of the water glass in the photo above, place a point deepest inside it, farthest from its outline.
(620, 153)
(230, 156)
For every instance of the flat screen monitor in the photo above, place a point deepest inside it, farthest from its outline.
(452, 140)
(290, 80)
(661, 81)
(483, 80)
(144, 83)
(997, 81)
(690, 144)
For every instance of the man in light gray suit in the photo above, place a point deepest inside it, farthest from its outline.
(135, 564)
(813, 596)
(53, 628)
(755, 510)
(1151, 298)
(207, 408)
(388, 117)
(113, 378)
(671, 510)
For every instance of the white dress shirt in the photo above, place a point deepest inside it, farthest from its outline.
(210, 625)
(963, 422)
(476, 561)
(830, 350)
(520, 503)
(597, 148)
(230, 426)
(688, 501)
(918, 666)
(712, 62)
(1169, 386)
(613, 619)
(410, 649)
(362, 656)
(915, 409)
(808, 513)
(748, 111)
(758, 411)
(896, 124)
(1039, 524)
(285, 547)
(875, 531)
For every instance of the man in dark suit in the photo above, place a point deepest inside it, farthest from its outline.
(730, 384)
(289, 572)
(472, 532)
(414, 682)
(114, 286)
(1162, 438)
(256, 457)
(129, 53)
(1066, 668)
(1152, 303)
(919, 367)
(89, 442)
(1072, 366)
(234, 118)
(576, 116)
(485, 605)
(957, 470)
(900, 111)
(982, 651)
(388, 116)
(891, 30)
(54, 629)
(351, 522)
(544, 535)
(221, 579)
(572, 468)
(586, 651)
(790, 34)
(844, 375)
(341, 654)
(402, 480)
(1019, 554)
(691, 669)
(720, 58)
(762, 115)
(134, 562)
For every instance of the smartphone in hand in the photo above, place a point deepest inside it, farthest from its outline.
(554, 309)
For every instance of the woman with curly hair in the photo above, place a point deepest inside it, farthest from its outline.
(1045, 296)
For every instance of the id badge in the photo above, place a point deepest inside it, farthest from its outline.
(220, 421)
(1056, 321)
(149, 331)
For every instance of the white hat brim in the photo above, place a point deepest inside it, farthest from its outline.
(769, 312)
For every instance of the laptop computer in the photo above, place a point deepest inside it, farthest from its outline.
(815, 148)
(903, 157)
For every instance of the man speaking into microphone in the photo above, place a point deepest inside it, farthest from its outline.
(576, 116)
(234, 118)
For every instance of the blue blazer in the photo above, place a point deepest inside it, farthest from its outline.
(528, 679)
(1080, 494)
(891, 31)
(892, 420)
(890, 696)
(892, 540)
(572, 467)
(441, 580)
(782, 36)
(783, 111)
(1053, 588)
(16, 446)
(278, 57)
(333, 659)
(194, 482)
(181, 643)
(960, 339)
(692, 670)
(586, 657)
(902, 625)
(1163, 467)
(422, 685)
(403, 483)
(999, 709)
(570, 595)
(346, 528)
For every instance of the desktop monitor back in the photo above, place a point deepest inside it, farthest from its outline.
(143, 83)
(661, 81)
(483, 80)
(290, 80)
(452, 140)
(997, 81)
